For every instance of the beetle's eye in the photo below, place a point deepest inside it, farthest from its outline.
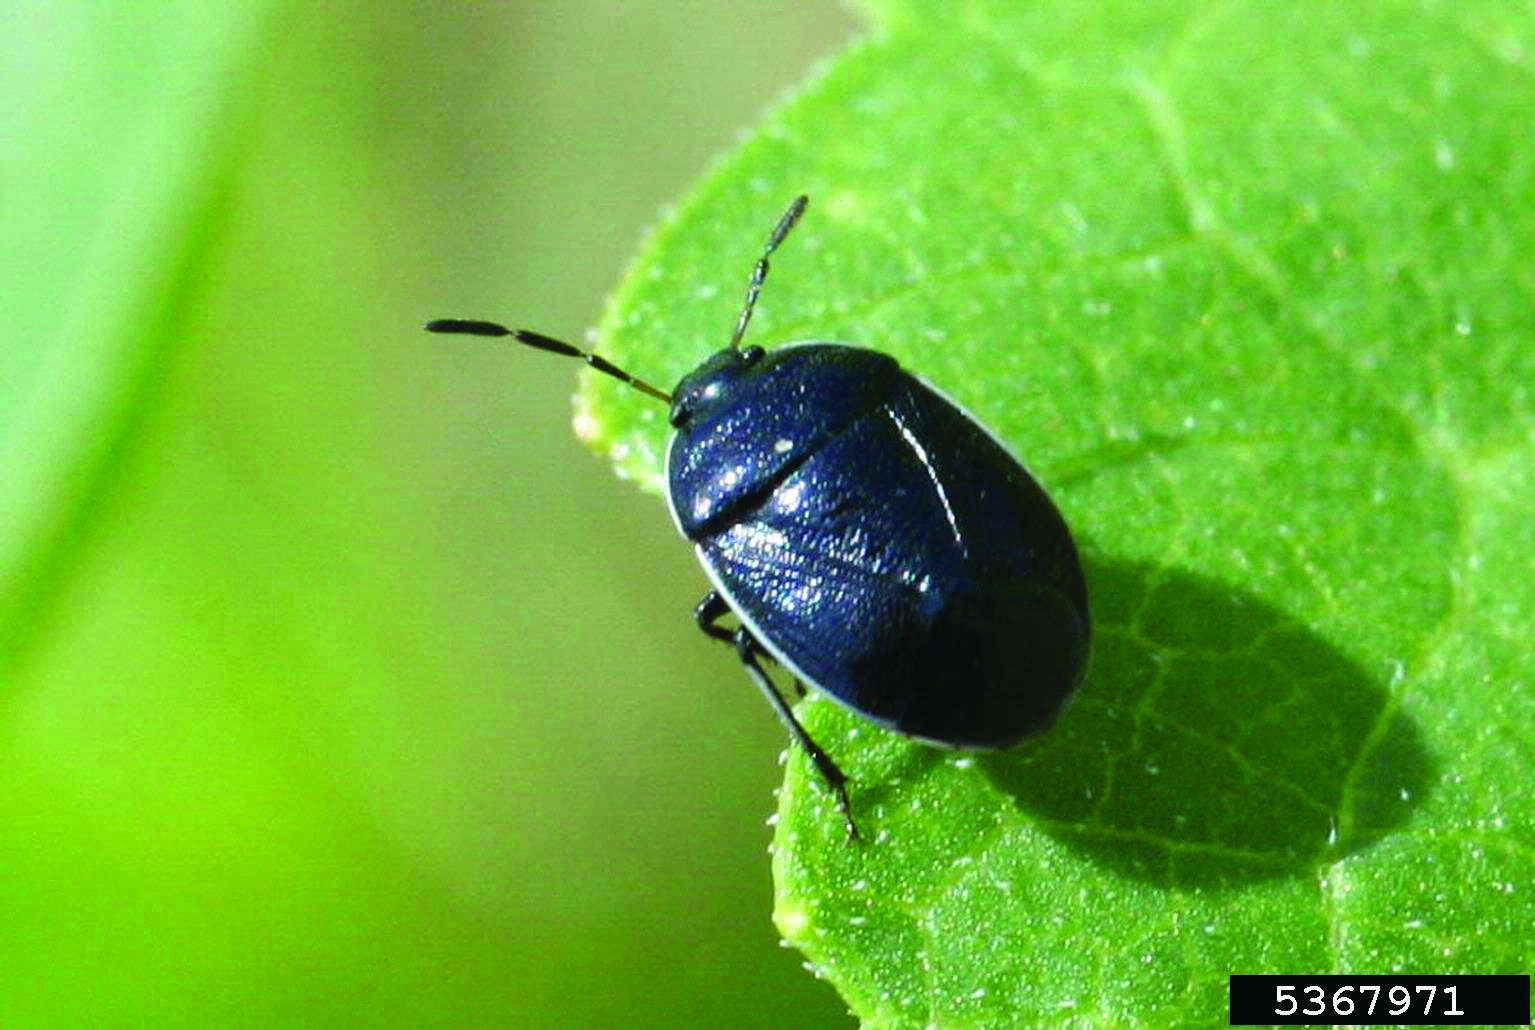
(680, 414)
(752, 355)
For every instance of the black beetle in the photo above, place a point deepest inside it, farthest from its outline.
(869, 535)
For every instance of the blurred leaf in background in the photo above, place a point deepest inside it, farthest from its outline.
(338, 686)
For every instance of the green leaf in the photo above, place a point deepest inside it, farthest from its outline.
(1252, 289)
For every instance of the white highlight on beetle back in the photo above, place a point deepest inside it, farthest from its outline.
(932, 475)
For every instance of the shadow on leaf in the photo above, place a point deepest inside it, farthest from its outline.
(1217, 740)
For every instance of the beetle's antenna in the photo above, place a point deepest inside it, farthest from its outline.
(475, 327)
(759, 273)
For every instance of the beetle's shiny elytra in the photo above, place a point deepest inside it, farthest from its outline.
(870, 536)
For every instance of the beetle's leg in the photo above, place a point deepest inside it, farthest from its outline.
(708, 614)
(836, 779)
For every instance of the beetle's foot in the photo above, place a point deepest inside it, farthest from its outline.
(836, 781)
(853, 836)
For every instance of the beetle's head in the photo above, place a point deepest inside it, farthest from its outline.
(713, 384)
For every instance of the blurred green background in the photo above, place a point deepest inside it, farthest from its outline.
(338, 684)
